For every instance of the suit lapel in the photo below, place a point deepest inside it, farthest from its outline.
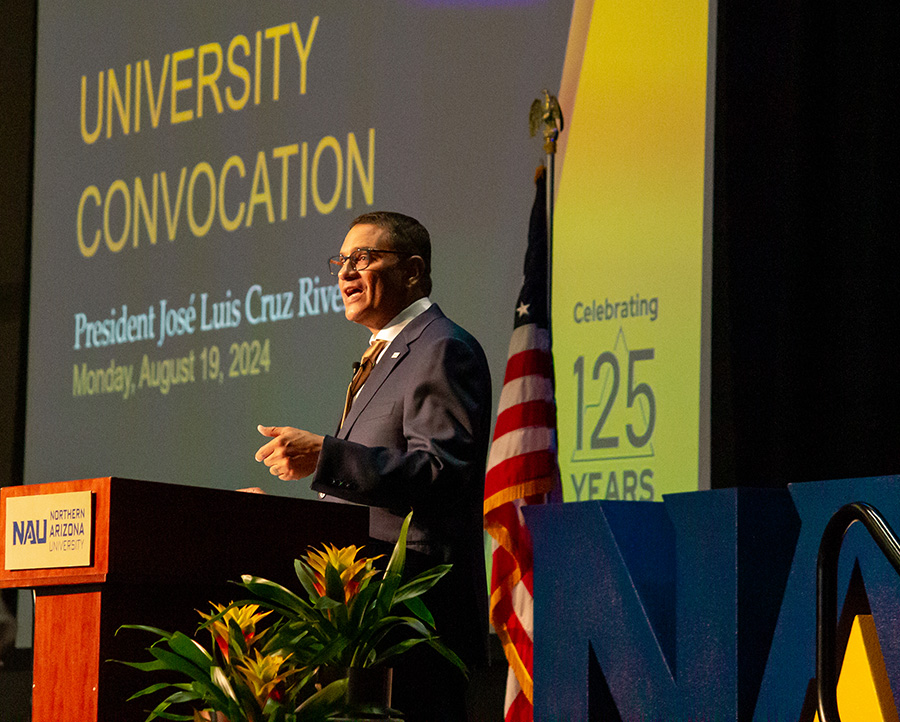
(392, 357)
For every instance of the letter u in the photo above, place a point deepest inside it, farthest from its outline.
(94, 134)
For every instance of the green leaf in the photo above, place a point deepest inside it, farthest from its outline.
(327, 604)
(218, 616)
(149, 690)
(287, 639)
(307, 576)
(153, 630)
(399, 648)
(432, 641)
(181, 697)
(190, 650)
(220, 680)
(245, 700)
(382, 626)
(323, 703)
(237, 645)
(418, 626)
(154, 666)
(368, 637)
(275, 594)
(312, 620)
(374, 635)
(178, 663)
(160, 709)
(331, 652)
(310, 676)
(176, 717)
(218, 700)
(334, 587)
(272, 710)
(418, 608)
(447, 654)
(206, 690)
(338, 610)
(421, 583)
(392, 575)
(361, 604)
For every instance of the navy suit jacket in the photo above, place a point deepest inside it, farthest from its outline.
(416, 438)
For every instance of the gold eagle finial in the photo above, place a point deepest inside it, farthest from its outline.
(546, 113)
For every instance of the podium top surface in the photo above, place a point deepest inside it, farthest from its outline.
(172, 534)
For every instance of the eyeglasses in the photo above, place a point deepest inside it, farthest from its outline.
(359, 258)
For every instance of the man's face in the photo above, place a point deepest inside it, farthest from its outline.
(372, 297)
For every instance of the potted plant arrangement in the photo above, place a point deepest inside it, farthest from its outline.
(248, 673)
(276, 673)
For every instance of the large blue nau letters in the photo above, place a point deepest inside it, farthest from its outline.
(699, 608)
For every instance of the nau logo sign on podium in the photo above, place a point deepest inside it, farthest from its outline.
(48, 531)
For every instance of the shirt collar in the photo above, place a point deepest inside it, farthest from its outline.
(400, 321)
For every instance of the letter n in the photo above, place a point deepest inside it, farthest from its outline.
(586, 601)
(629, 626)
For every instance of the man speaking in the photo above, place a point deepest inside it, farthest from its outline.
(413, 436)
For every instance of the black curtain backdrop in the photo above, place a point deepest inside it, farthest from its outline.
(17, 37)
(806, 339)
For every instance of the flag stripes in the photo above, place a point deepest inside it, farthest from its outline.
(522, 468)
(530, 413)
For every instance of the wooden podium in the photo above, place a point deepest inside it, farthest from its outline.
(159, 552)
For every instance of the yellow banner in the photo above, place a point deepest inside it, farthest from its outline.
(628, 254)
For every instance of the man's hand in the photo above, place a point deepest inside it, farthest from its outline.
(291, 454)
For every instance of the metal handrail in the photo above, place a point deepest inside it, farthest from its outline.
(826, 593)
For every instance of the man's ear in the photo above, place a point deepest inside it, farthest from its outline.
(416, 270)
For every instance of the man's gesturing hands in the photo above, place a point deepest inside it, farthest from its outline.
(291, 454)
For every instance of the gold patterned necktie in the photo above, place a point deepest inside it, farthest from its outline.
(366, 364)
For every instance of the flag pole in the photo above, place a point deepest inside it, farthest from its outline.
(547, 116)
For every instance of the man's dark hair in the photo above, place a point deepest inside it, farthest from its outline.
(406, 234)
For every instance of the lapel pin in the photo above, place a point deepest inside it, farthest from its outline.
(395, 354)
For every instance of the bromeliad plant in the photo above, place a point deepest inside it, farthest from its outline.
(350, 610)
(247, 674)
(267, 673)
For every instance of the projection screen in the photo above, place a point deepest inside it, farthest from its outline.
(196, 163)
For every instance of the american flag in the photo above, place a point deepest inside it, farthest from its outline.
(522, 465)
